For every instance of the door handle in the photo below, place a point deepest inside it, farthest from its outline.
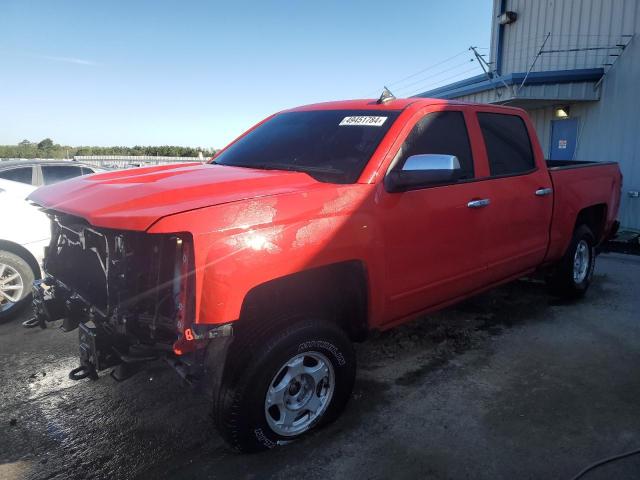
(541, 192)
(479, 203)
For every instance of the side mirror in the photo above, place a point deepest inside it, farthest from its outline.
(423, 170)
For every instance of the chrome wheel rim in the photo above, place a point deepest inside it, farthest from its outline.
(581, 261)
(11, 286)
(299, 393)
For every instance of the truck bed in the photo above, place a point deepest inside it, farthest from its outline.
(578, 185)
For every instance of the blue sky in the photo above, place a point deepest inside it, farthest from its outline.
(198, 73)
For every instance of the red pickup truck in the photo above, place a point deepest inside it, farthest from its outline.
(253, 274)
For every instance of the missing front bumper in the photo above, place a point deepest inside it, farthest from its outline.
(112, 343)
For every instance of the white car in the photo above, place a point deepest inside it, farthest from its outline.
(24, 232)
(44, 172)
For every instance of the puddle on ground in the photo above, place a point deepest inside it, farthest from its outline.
(49, 378)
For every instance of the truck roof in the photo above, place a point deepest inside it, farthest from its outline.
(391, 105)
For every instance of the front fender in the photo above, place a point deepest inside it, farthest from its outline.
(241, 245)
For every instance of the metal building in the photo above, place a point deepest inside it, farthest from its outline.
(574, 65)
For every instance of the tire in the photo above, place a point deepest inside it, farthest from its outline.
(572, 276)
(14, 272)
(252, 399)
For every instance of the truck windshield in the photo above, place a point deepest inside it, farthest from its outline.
(330, 145)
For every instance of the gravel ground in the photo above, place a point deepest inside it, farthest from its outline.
(510, 384)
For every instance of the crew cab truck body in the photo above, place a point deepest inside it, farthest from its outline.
(253, 274)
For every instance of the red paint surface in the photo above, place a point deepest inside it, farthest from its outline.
(422, 249)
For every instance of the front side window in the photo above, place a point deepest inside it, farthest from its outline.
(330, 145)
(57, 173)
(442, 133)
(21, 174)
(507, 142)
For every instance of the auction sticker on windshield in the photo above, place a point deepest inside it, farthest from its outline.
(366, 121)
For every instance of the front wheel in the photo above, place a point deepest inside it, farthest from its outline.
(572, 276)
(300, 379)
(16, 278)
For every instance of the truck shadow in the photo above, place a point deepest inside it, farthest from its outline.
(431, 342)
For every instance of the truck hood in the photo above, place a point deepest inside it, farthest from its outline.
(134, 199)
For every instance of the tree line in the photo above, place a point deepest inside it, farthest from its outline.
(47, 149)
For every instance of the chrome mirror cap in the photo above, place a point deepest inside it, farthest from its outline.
(431, 161)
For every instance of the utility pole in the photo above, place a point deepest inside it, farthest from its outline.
(483, 63)
(488, 71)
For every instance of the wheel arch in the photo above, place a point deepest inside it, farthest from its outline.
(23, 253)
(340, 289)
(594, 217)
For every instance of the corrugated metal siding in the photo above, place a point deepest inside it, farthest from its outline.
(572, 23)
(487, 96)
(564, 91)
(609, 129)
(583, 91)
(605, 133)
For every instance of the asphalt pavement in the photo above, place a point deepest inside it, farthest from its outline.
(511, 384)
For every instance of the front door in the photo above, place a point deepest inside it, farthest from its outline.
(433, 241)
(564, 136)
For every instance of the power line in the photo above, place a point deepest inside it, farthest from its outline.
(574, 53)
(419, 72)
(441, 82)
(430, 67)
(409, 85)
(583, 35)
(583, 49)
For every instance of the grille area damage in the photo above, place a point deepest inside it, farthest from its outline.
(131, 293)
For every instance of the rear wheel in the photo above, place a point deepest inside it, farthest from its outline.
(16, 278)
(299, 379)
(572, 276)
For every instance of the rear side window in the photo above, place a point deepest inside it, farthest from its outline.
(444, 133)
(507, 142)
(57, 173)
(21, 174)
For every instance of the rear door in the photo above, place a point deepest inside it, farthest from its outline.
(434, 242)
(521, 196)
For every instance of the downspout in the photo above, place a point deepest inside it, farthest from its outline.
(503, 8)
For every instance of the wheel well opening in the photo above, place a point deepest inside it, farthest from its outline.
(22, 252)
(593, 217)
(338, 291)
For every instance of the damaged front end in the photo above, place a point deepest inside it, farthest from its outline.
(132, 295)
